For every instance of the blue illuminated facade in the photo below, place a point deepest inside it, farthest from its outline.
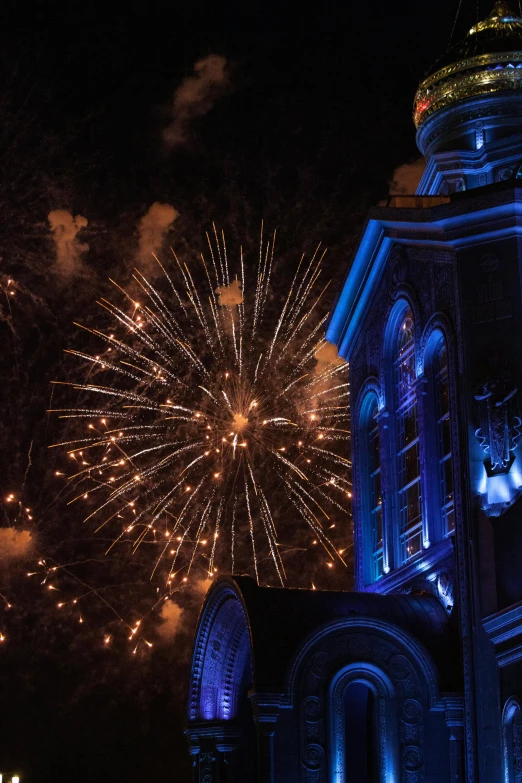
(416, 677)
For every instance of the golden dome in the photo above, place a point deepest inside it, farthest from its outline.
(489, 60)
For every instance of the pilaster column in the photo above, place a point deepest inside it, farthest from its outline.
(454, 715)
(383, 422)
(208, 765)
(227, 744)
(212, 746)
(266, 712)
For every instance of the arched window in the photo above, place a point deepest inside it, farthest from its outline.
(374, 493)
(371, 507)
(438, 440)
(408, 447)
(512, 741)
(443, 434)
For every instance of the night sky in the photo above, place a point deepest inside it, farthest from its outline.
(304, 131)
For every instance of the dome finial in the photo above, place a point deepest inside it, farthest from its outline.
(500, 8)
(500, 18)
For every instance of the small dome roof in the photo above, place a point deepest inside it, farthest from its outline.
(489, 59)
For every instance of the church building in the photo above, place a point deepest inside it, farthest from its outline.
(416, 677)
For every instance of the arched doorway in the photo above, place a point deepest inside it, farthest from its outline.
(362, 735)
(364, 726)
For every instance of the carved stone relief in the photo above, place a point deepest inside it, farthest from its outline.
(206, 767)
(503, 174)
(377, 654)
(499, 429)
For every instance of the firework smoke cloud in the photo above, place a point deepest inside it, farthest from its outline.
(171, 616)
(196, 96)
(230, 295)
(406, 178)
(326, 356)
(68, 247)
(15, 544)
(153, 229)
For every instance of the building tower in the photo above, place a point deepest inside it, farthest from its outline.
(416, 676)
(468, 111)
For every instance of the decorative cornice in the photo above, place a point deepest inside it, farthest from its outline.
(423, 563)
(504, 629)
(505, 625)
(480, 61)
(226, 736)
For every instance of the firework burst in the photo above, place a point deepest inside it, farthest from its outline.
(213, 422)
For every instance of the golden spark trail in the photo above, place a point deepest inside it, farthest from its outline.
(207, 430)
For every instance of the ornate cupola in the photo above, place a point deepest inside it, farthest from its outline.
(468, 109)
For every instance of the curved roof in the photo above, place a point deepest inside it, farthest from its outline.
(488, 60)
(281, 619)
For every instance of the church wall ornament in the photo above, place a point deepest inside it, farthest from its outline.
(503, 174)
(207, 772)
(498, 435)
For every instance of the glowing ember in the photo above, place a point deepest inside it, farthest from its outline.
(239, 422)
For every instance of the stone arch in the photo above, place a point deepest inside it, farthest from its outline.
(222, 657)
(403, 297)
(400, 670)
(438, 323)
(371, 385)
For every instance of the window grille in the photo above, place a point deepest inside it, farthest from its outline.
(445, 463)
(374, 494)
(408, 447)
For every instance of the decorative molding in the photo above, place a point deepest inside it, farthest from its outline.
(384, 692)
(505, 625)
(505, 628)
(221, 652)
(416, 569)
(400, 673)
(363, 628)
